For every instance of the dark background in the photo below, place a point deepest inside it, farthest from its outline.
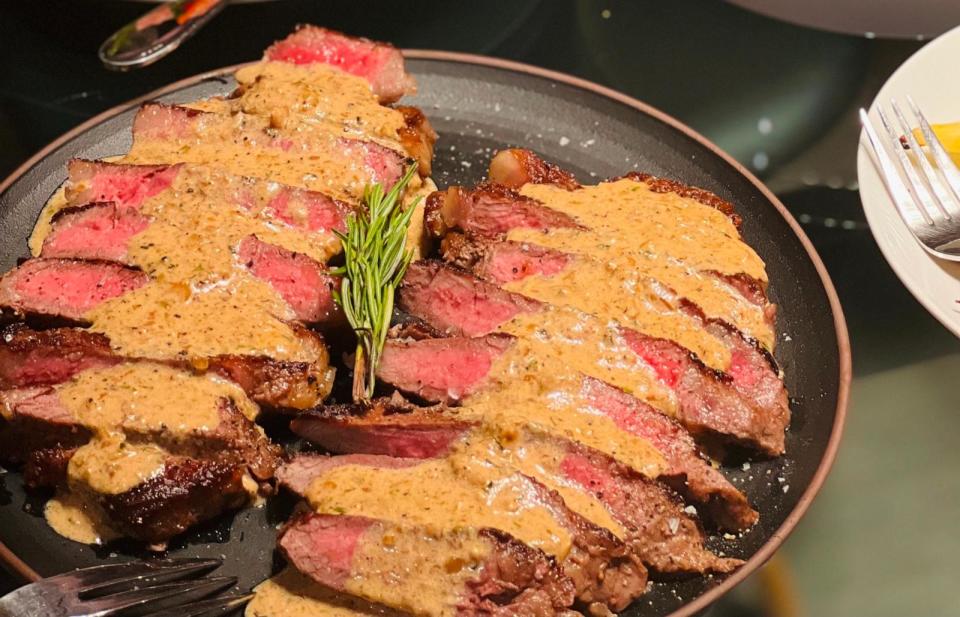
(781, 98)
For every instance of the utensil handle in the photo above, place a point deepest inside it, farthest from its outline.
(157, 33)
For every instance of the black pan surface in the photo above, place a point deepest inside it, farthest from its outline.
(479, 105)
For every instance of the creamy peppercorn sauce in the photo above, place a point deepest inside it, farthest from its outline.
(201, 301)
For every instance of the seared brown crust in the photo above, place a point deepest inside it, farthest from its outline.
(47, 468)
(663, 535)
(517, 580)
(187, 492)
(603, 569)
(47, 357)
(664, 185)
(418, 138)
(515, 167)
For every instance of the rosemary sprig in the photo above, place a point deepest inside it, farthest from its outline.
(375, 260)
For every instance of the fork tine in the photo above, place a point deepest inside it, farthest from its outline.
(157, 597)
(920, 192)
(947, 167)
(126, 576)
(902, 199)
(207, 608)
(90, 578)
(941, 197)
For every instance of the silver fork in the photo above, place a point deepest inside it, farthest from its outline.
(159, 588)
(929, 203)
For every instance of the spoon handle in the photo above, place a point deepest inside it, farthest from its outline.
(157, 33)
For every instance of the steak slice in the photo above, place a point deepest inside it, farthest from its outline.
(188, 491)
(490, 210)
(602, 568)
(103, 232)
(64, 289)
(504, 261)
(415, 373)
(507, 578)
(515, 167)
(381, 64)
(48, 357)
(664, 536)
(245, 147)
(709, 404)
(128, 186)
(305, 285)
(441, 369)
(96, 231)
(41, 419)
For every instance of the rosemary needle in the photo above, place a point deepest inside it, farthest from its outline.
(375, 260)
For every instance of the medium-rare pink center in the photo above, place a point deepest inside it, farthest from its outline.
(331, 541)
(297, 278)
(456, 371)
(744, 372)
(99, 232)
(509, 263)
(130, 188)
(357, 59)
(306, 210)
(456, 303)
(628, 413)
(663, 357)
(580, 469)
(77, 285)
(48, 369)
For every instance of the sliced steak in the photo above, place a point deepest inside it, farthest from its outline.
(457, 303)
(490, 211)
(98, 231)
(509, 578)
(752, 370)
(667, 539)
(49, 357)
(102, 231)
(414, 373)
(45, 422)
(688, 472)
(305, 285)
(64, 288)
(381, 64)
(602, 568)
(304, 160)
(128, 186)
(517, 166)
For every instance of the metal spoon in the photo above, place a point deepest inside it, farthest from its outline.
(157, 33)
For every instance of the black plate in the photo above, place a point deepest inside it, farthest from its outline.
(479, 105)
